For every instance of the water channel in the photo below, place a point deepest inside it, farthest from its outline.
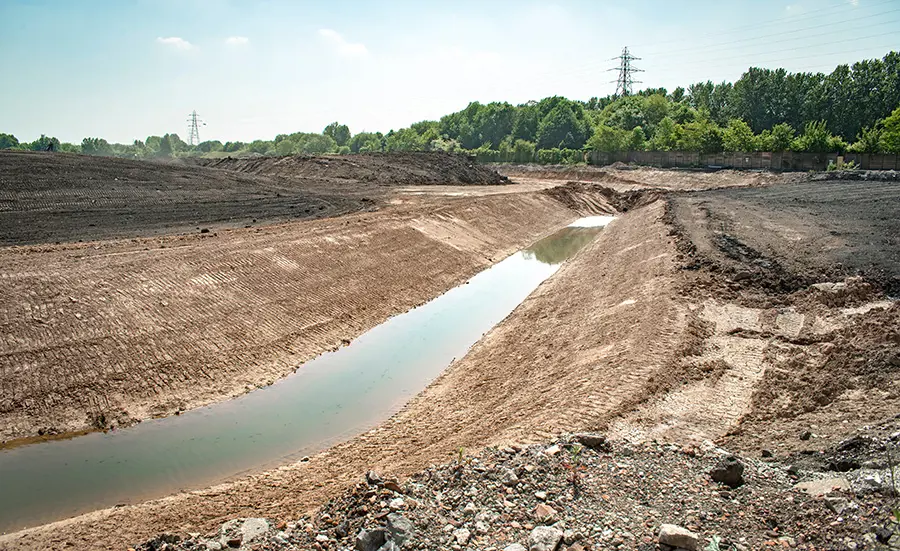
(329, 399)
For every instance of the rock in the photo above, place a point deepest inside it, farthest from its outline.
(836, 503)
(508, 477)
(515, 547)
(676, 536)
(544, 513)
(793, 470)
(728, 471)
(321, 538)
(768, 453)
(389, 546)
(342, 530)
(396, 504)
(470, 509)
(242, 531)
(462, 535)
(369, 540)
(481, 527)
(592, 440)
(541, 495)
(400, 528)
(824, 486)
(373, 479)
(805, 435)
(552, 450)
(544, 538)
(393, 486)
(213, 546)
(883, 534)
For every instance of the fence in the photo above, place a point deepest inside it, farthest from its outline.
(787, 160)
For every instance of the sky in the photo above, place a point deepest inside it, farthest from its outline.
(128, 69)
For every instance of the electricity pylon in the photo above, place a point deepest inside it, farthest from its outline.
(626, 73)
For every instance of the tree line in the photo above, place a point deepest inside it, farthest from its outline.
(855, 108)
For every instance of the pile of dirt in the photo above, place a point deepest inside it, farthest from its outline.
(59, 197)
(578, 493)
(588, 198)
(386, 169)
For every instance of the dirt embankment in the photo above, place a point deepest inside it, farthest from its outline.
(794, 332)
(114, 331)
(384, 169)
(577, 352)
(627, 178)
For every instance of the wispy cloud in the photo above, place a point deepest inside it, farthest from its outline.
(175, 42)
(237, 41)
(342, 46)
(853, 2)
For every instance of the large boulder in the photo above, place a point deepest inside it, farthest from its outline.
(676, 536)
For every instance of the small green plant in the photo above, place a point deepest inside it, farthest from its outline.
(850, 165)
(575, 468)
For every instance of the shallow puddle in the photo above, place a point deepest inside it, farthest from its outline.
(329, 399)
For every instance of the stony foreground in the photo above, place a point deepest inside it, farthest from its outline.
(581, 492)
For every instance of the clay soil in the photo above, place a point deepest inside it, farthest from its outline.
(692, 317)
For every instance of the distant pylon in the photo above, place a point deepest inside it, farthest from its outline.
(626, 73)
(194, 129)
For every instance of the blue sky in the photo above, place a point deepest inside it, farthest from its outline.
(127, 69)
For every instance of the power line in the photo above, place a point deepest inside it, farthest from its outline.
(626, 72)
(194, 128)
(730, 45)
(777, 21)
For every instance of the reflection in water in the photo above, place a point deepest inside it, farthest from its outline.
(562, 245)
(330, 398)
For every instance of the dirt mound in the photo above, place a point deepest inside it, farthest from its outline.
(588, 198)
(377, 168)
(55, 197)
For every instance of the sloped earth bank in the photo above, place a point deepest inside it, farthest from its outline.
(670, 326)
(106, 333)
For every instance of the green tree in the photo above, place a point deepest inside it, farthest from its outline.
(8, 141)
(608, 139)
(164, 148)
(494, 122)
(703, 136)
(868, 140)
(637, 140)
(44, 143)
(209, 146)
(405, 139)
(890, 136)
(526, 123)
(666, 136)
(96, 146)
(816, 138)
(340, 133)
(561, 128)
(782, 136)
(523, 151)
(366, 142)
(738, 136)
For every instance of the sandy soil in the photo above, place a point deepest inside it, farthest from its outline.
(139, 328)
(671, 325)
(526, 379)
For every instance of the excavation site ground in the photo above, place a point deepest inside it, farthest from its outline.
(719, 308)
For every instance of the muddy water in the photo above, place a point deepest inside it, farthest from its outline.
(329, 399)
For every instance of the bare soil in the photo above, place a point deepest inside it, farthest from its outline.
(57, 197)
(718, 316)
